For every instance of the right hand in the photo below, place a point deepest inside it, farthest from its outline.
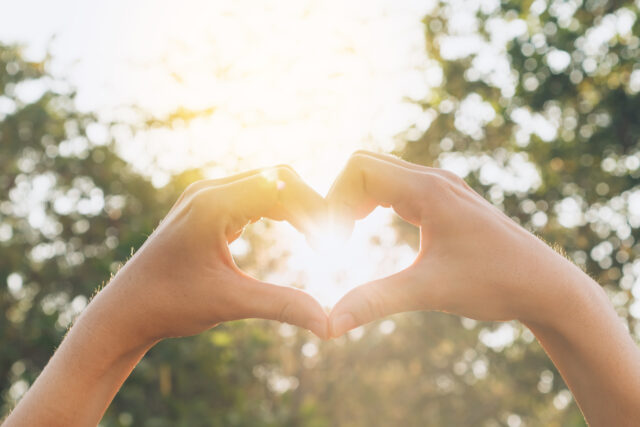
(473, 260)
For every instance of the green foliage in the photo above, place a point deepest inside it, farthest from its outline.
(70, 212)
(566, 139)
(559, 93)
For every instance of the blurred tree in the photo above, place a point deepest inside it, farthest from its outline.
(539, 110)
(70, 210)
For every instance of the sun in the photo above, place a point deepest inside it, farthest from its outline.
(331, 266)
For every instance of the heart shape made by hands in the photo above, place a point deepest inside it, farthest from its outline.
(333, 266)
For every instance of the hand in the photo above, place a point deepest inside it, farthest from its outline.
(184, 280)
(476, 262)
(473, 260)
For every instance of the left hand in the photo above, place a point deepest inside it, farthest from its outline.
(183, 280)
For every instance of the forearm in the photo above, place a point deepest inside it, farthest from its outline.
(593, 351)
(86, 371)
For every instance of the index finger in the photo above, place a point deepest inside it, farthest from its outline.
(277, 193)
(367, 182)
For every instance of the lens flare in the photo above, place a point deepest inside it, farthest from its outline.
(328, 266)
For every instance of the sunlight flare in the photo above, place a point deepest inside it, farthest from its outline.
(332, 266)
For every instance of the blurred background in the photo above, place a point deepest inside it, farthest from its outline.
(108, 110)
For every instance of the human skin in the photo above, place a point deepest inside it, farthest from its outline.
(182, 281)
(475, 261)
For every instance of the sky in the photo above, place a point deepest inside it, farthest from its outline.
(302, 82)
(299, 82)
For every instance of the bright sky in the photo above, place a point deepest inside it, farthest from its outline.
(303, 82)
(299, 82)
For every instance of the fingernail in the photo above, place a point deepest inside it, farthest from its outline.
(342, 323)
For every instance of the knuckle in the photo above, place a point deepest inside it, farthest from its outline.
(452, 177)
(200, 201)
(422, 167)
(437, 184)
(358, 161)
(284, 314)
(435, 191)
(361, 153)
(193, 188)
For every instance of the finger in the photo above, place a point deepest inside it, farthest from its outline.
(284, 304)
(375, 300)
(367, 182)
(414, 167)
(298, 203)
(276, 193)
(396, 160)
(208, 183)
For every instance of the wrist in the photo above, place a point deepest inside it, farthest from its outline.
(80, 380)
(116, 318)
(565, 296)
(107, 339)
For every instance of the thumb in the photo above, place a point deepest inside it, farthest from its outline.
(284, 304)
(375, 300)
